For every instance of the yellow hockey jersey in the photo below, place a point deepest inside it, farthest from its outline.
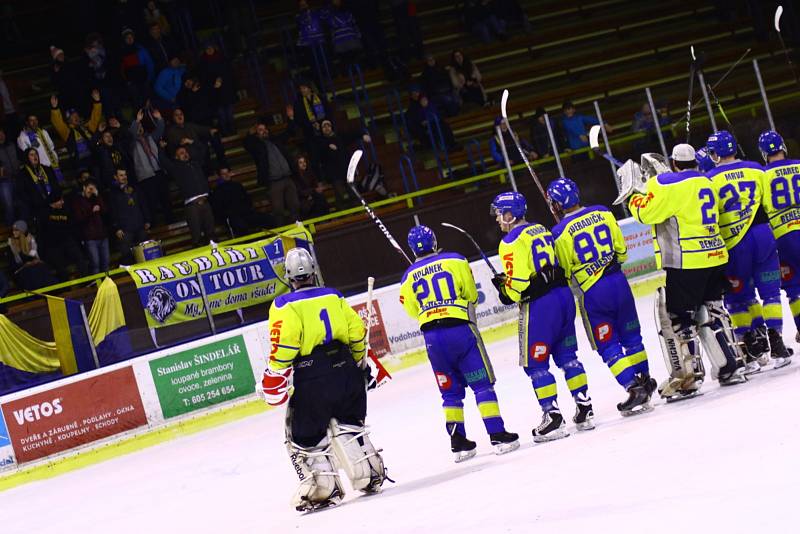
(523, 251)
(586, 242)
(738, 187)
(781, 200)
(438, 286)
(682, 207)
(303, 319)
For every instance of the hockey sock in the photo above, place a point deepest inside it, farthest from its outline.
(620, 366)
(575, 376)
(794, 305)
(638, 358)
(773, 313)
(454, 420)
(740, 317)
(490, 410)
(756, 315)
(544, 385)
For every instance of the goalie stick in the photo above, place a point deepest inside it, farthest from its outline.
(475, 244)
(503, 102)
(351, 176)
(692, 73)
(594, 144)
(381, 374)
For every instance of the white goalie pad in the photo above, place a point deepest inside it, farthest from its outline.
(716, 334)
(630, 179)
(319, 480)
(356, 455)
(680, 351)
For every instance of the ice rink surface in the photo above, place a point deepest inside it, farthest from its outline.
(724, 462)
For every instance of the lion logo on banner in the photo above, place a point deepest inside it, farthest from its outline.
(160, 304)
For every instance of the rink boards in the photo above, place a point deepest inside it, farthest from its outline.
(188, 382)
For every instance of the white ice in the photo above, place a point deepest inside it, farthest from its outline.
(724, 462)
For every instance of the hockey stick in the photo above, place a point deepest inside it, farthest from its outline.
(778, 14)
(503, 102)
(692, 70)
(475, 244)
(351, 176)
(382, 375)
(594, 144)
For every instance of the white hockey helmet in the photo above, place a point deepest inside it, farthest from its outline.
(299, 265)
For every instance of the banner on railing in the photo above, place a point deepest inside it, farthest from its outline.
(172, 289)
(6, 451)
(641, 255)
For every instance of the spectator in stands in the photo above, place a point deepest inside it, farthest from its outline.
(138, 70)
(310, 32)
(67, 82)
(9, 167)
(32, 136)
(345, 35)
(233, 205)
(30, 272)
(334, 151)
(187, 171)
(102, 75)
(480, 19)
(35, 183)
(130, 218)
(90, 213)
(9, 110)
(274, 171)
(151, 179)
(215, 71)
(575, 127)
(437, 83)
(169, 82)
(511, 148)
(310, 190)
(404, 13)
(181, 133)
(74, 132)
(60, 245)
(421, 114)
(160, 47)
(510, 12)
(198, 101)
(467, 79)
(154, 17)
(110, 155)
(643, 122)
(310, 109)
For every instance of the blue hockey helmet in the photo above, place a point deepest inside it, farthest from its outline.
(704, 161)
(721, 144)
(421, 240)
(564, 192)
(770, 143)
(509, 202)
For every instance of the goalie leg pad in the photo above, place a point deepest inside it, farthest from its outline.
(320, 485)
(719, 342)
(355, 454)
(679, 346)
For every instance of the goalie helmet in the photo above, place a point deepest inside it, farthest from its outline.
(564, 192)
(722, 144)
(300, 265)
(770, 143)
(421, 240)
(653, 164)
(512, 202)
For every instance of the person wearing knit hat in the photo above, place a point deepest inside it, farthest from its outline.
(29, 271)
(55, 53)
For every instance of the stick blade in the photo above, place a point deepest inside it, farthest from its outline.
(503, 103)
(448, 225)
(778, 14)
(353, 166)
(594, 136)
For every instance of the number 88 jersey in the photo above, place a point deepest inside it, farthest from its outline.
(781, 200)
(739, 187)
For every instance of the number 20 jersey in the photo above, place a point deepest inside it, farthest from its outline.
(739, 186)
(438, 286)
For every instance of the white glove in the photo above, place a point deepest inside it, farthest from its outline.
(275, 386)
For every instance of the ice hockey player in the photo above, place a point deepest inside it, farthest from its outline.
(782, 205)
(439, 291)
(753, 262)
(591, 249)
(318, 347)
(682, 207)
(533, 278)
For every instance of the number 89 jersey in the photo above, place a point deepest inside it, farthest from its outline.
(587, 241)
(739, 187)
(439, 286)
(782, 196)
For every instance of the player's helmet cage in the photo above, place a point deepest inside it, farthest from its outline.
(421, 240)
(299, 265)
(512, 202)
(704, 161)
(721, 144)
(770, 143)
(564, 192)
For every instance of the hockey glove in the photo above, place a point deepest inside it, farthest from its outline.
(499, 282)
(375, 374)
(275, 386)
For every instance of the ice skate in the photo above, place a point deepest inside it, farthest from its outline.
(780, 354)
(463, 449)
(638, 401)
(504, 442)
(553, 427)
(677, 389)
(732, 374)
(756, 351)
(313, 506)
(584, 415)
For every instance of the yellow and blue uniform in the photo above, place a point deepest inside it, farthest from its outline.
(781, 203)
(753, 255)
(439, 291)
(590, 248)
(546, 312)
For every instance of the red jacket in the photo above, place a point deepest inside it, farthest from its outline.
(92, 224)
